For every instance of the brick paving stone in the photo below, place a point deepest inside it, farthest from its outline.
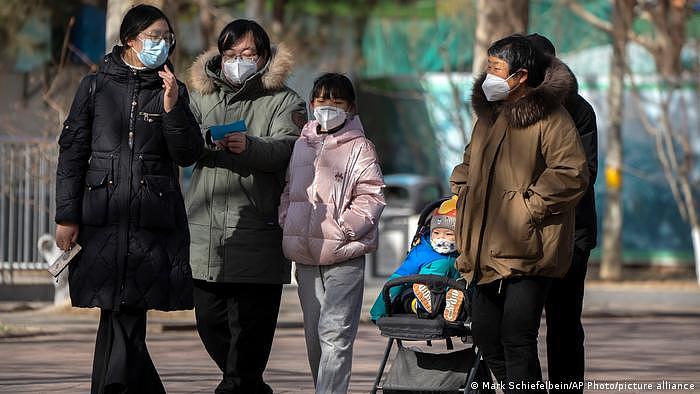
(618, 348)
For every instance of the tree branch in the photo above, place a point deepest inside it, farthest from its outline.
(588, 16)
(649, 44)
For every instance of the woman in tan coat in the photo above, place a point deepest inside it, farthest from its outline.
(522, 174)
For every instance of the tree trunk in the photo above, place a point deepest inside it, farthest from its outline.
(115, 12)
(695, 235)
(669, 19)
(207, 22)
(611, 266)
(278, 14)
(496, 20)
(254, 10)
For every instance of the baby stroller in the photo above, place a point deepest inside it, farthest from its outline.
(411, 371)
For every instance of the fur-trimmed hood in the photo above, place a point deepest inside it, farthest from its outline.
(204, 72)
(558, 86)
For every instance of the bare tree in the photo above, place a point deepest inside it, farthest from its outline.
(673, 142)
(496, 20)
(611, 265)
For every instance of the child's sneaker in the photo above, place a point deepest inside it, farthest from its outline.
(453, 304)
(424, 296)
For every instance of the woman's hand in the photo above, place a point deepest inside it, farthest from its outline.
(235, 142)
(66, 235)
(171, 89)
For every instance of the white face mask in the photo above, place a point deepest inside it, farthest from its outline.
(496, 88)
(329, 117)
(442, 245)
(238, 70)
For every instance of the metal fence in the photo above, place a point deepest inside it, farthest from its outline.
(27, 202)
(27, 208)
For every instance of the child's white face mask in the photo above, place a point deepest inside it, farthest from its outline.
(443, 245)
(330, 117)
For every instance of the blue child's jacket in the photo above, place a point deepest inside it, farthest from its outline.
(423, 260)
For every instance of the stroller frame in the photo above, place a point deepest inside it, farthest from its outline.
(458, 329)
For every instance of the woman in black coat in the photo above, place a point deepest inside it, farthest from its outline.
(118, 196)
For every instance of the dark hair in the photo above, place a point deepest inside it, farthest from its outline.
(519, 53)
(238, 29)
(333, 85)
(542, 43)
(137, 19)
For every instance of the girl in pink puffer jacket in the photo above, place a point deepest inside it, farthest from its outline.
(329, 212)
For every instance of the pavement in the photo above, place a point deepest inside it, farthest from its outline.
(645, 331)
(626, 349)
(645, 298)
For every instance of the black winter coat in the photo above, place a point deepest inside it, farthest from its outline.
(586, 229)
(118, 178)
(560, 79)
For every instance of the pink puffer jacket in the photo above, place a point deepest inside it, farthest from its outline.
(333, 198)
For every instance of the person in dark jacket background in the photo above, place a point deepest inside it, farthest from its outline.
(565, 335)
(118, 196)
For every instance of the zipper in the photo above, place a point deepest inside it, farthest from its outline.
(500, 284)
(149, 117)
(349, 166)
(112, 156)
(316, 160)
(132, 118)
(131, 121)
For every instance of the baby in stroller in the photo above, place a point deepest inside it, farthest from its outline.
(432, 253)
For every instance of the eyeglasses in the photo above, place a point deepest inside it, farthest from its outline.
(250, 58)
(157, 36)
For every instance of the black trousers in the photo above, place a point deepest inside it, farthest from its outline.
(122, 363)
(236, 322)
(565, 352)
(505, 324)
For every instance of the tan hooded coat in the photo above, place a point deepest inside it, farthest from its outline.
(522, 175)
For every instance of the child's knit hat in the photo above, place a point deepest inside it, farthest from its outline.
(445, 216)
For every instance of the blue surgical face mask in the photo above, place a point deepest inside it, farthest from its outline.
(154, 53)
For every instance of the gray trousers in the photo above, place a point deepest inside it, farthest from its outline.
(331, 300)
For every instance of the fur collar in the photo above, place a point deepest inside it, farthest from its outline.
(273, 75)
(558, 86)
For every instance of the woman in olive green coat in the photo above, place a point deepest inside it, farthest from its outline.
(236, 243)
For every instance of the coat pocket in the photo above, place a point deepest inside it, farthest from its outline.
(95, 198)
(514, 234)
(157, 202)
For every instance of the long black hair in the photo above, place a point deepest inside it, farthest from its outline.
(137, 19)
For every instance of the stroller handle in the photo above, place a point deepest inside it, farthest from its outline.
(430, 280)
